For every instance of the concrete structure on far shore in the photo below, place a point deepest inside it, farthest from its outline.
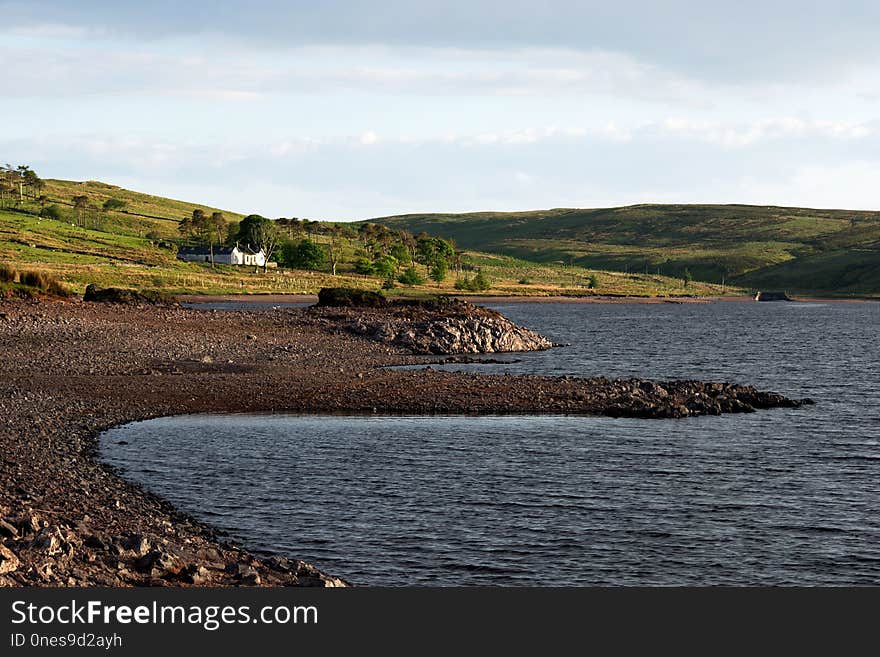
(223, 255)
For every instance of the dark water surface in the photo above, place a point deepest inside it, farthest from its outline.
(787, 496)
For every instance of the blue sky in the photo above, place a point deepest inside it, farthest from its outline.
(349, 110)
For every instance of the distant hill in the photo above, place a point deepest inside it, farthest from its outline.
(134, 240)
(798, 249)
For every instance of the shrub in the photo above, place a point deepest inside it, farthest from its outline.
(525, 280)
(8, 274)
(389, 284)
(411, 277)
(364, 266)
(43, 283)
(35, 279)
(593, 282)
(686, 277)
(385, 266)
(52, 212)
(439, 270)
(304, 254)
(114, 204)
(480, 282)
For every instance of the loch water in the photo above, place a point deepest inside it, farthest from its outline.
(778, 497)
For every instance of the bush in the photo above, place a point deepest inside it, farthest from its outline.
(686, 277)
(525, 281)
(304, 254)
(114, 204)
(35, 279)
(478, 283)
(593, 282)
(411, 277)
(52, 212)
(43, 283)
(364, 266)
(439, 270)
(385, 266)
(8, 274)
(389, 284)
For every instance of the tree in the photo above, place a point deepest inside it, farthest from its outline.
(385, 266)
(81, 205)
(51, 212)
(304, 254)
(439, 270)
(411, 277)
(185, 227)
(265, 237)
(480, 282)
(258, 233)
(6, 191)
(335, 248)
(399, 252)
(430, 250)
(217, 224)
(686, 277)
(364, 266)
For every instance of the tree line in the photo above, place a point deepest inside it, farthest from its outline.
(21, 184)
(368, 249)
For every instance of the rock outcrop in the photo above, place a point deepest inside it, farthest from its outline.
(642, 398)
(122, 295)
(338, 297)
(441, 326)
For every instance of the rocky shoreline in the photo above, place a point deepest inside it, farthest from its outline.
(72, 370)
(440, 327)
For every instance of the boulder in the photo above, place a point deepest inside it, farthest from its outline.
(442, 326)
(126, 296)
(338, 297)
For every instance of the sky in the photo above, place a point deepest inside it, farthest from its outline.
(346, 109)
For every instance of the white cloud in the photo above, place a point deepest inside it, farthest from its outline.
(747, 134)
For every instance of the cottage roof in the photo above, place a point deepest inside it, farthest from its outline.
(204, 250)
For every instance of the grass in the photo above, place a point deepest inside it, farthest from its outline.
(802, 250)
(142, 214)
(29, 283)
(135, 250)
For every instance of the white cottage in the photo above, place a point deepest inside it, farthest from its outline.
(223, 255)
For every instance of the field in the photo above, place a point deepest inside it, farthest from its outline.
(136, 248)
(801, 250)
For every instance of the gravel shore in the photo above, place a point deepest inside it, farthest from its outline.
(74, 369)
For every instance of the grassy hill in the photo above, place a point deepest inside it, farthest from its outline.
(136, 247)
(802, 250)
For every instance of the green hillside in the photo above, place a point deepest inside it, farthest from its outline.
(134, 244)
(802, 250)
